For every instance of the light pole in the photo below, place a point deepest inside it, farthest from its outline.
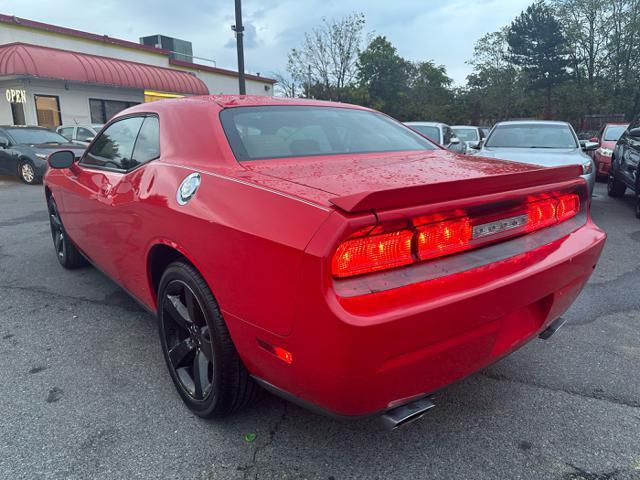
(239, 29)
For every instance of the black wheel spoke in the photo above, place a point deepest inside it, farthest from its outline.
(179, 353)
(56, 221)
(200, 374)
(177, 311)
(206, 346)
(190, 302)
(58, 242)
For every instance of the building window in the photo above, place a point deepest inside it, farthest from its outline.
(48, 111)
(17, 111)
(103, 110)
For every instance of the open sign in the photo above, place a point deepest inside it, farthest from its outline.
(16, 96)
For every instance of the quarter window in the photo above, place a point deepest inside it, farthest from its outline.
(84, 134)
(113, 149)
(66, 132)
(148, 143)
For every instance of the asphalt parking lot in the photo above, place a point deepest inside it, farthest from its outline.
(85, 393)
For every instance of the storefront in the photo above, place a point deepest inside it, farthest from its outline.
(52, 76)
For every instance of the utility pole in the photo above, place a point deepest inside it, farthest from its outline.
(239, 29)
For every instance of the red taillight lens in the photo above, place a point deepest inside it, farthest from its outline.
(372, 253)
(427, 240)
(568, 206)
(541, 214)
(443, 238)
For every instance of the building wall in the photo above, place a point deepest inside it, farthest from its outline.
(73, 98)
(216, 82)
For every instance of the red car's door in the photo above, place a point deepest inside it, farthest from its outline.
(99, 202)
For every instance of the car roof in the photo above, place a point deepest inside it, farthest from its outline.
(532, 122)
(464, 126)
(34, 127)
(426, 124)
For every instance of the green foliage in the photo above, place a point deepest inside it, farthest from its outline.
(559, 58)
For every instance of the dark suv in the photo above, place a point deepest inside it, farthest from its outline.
(624, 164)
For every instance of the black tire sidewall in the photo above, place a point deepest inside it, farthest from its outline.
(181, 271)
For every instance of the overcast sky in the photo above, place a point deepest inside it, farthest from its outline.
(440, 30)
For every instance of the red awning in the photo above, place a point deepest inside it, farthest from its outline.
(35, 61)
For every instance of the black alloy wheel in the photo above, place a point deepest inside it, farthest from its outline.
(66, 252)
(200, 355)
(188, 340)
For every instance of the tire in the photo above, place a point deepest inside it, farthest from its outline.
(27, 172)
(637, 206)
(615, 188)
(194, 340)
(68, 255)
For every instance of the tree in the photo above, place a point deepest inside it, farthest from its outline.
(284, 87)
(384, 76)
(328, 56)
(539, 48)
(430, 95)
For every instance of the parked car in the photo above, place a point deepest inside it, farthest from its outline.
(606, 139)
(540, 142)
(440, 133)
(82, 134)
(24, 150)
(623, 173)
(472, 136)
(485, 130)
(323, 251)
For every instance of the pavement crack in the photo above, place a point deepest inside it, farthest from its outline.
(590, 395)
(273, 431)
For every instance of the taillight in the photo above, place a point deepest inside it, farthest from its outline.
(372, 253)
(426, 239)
(444, 238)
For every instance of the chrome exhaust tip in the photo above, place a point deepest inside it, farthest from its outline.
(407, 413)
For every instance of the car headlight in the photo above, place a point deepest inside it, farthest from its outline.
(42, 156)
(605, 152)
(587, 168)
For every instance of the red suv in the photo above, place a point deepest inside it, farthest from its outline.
(607, 138)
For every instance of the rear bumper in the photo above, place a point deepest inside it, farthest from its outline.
(361, 355)
(603, 164)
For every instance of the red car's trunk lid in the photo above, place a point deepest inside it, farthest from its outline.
(400, 179)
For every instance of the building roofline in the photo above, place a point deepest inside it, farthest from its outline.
(71, 32)
(221, 71)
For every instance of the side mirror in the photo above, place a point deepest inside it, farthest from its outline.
(634, 132)
(61, 159)
(4, 143)
(590, 146)
(475, 145)
(454, 140)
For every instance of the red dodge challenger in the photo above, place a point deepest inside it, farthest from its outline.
(320, 250)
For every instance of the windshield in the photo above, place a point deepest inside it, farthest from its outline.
(295, 131)
(532, 136)
(467, 134)
(430, 132)
(613, 133)
(34, 136)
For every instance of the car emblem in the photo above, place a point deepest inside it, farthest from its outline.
(188, 188)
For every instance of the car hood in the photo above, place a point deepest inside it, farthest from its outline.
(325, 179)
(547, 157)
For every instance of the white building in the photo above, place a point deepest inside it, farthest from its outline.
(52, 75)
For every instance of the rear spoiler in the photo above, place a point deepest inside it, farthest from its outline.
(453, 190)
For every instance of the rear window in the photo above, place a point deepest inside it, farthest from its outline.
(613, 133)
(466, 134)
(296, 131)
(430, 132)
(531, 135)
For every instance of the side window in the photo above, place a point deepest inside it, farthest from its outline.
(66, 132)
(83, 134)
(148, 143)
(447, 134)
(113, 149)
(4, 139)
